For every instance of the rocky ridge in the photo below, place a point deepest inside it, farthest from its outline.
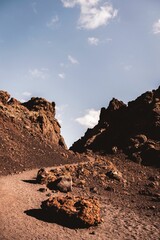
(29, 134)
(133, 129)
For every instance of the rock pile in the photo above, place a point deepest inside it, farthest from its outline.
(80, 174)
(133, 129)
(79, 210)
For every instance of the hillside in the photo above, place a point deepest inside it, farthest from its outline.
(133, 129)
(29, 135)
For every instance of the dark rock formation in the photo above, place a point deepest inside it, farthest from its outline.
(135, 129)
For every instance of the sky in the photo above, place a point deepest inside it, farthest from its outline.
(79, 54)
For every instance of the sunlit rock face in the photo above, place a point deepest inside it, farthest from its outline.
(29, 133)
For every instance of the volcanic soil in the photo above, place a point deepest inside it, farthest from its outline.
(130, 207)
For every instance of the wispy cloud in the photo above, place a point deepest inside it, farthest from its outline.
(90, 119)
(60, 110)
(127, 68)
(26, 94)
(52, 23)
(72, 60)
(156, 27)
(61, 75)
(92, 13)
(109, 40)
(93, 41)
(34, 7)
(38, 73)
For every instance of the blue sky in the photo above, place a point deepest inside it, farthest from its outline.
(80, 54)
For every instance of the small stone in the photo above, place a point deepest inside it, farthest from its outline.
(114, 149)
(152, 184)
(110, 189)
(42, 189)
(93, 190)
(82, 182)
(152, 178)
(48, 194)
(114, 175)
(152, 207)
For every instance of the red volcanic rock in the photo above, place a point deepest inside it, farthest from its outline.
(128, 128)
(74, 210)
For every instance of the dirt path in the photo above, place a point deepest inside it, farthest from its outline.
(21, 217)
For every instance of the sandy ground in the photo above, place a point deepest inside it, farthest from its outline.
(22, 218)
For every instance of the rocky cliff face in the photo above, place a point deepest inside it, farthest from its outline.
(133, 129)
(28, 131)
(37, 116)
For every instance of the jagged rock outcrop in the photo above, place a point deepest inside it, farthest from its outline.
(135, 129)
(42, 116)
(37, 115)
(29, 132)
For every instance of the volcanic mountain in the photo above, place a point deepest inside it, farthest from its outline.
(133, 129)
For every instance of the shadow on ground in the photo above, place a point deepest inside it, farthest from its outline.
(32, 181)
(57, 218)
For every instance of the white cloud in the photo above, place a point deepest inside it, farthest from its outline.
(61, 75)
(38, 73)
(26, 94)
(90, 119)
(72, 59)
(156, 27)
(93, 41)
(92, 13)
(51, 24)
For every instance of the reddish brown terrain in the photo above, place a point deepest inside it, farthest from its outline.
(29, 135)
(110, 190)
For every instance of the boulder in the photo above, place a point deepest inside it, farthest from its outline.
(75, 210)
(4, 97)
(63, 184)
(42, 176)
(45, 177)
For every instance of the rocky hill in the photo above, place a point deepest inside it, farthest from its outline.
(29, 134)
(133, 129)
(90, 195)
